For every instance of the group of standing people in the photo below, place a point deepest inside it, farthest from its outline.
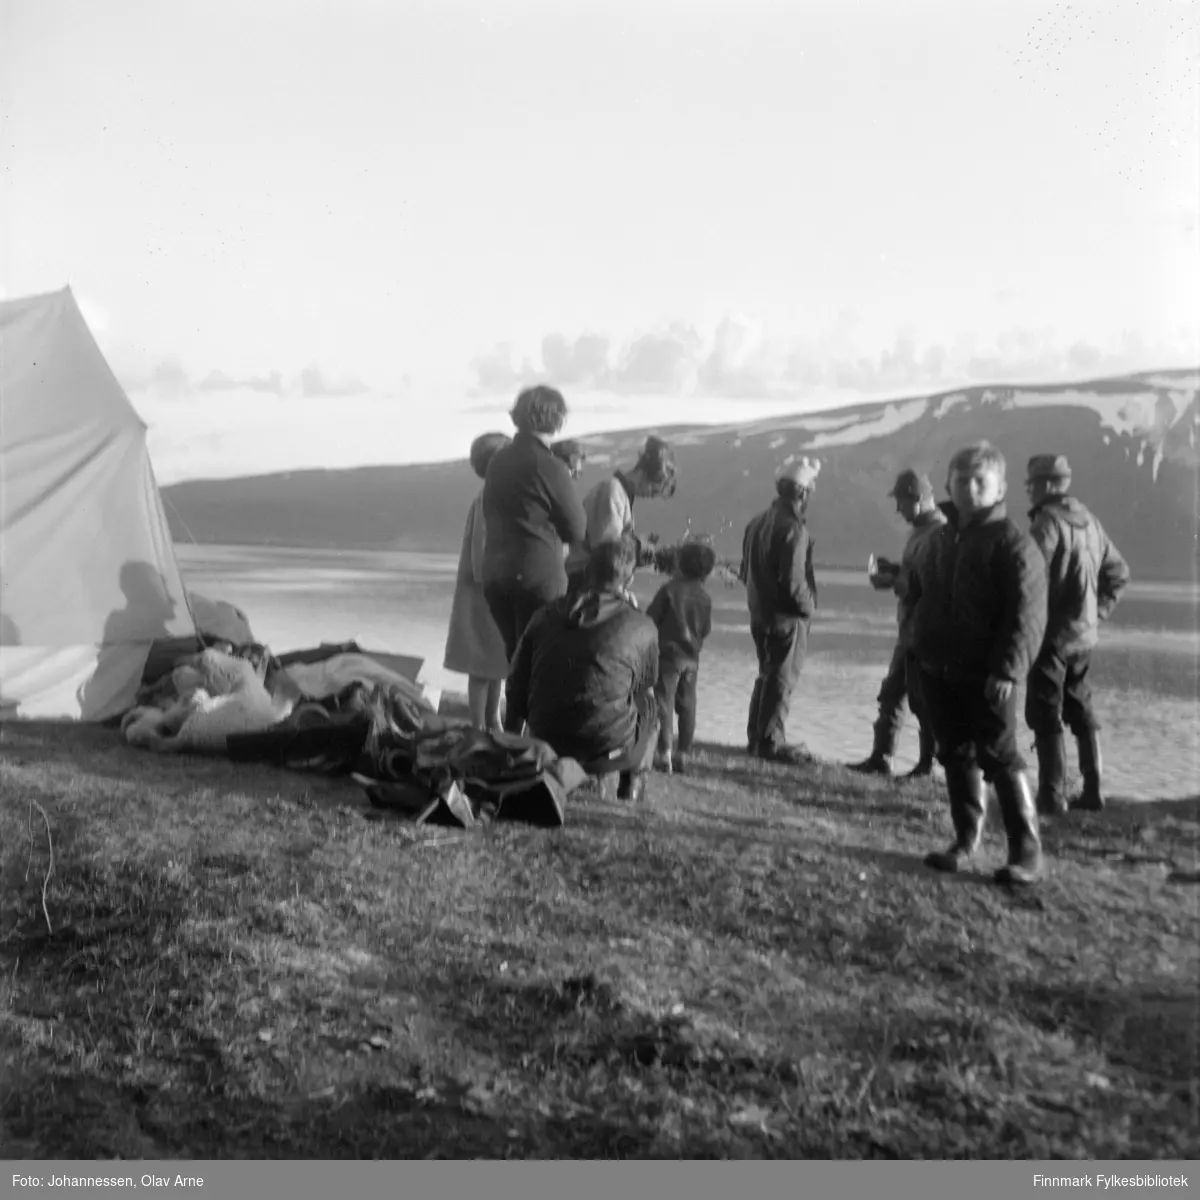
(544, 616)
(984, 606)
(584, 677)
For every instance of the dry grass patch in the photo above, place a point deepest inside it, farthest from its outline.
(756, 964)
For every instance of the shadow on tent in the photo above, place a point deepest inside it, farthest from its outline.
(145, 617)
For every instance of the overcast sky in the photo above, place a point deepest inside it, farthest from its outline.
(325, 233)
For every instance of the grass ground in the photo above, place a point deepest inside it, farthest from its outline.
(755, 964)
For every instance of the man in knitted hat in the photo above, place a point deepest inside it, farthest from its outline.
(1086, 575)
(609, 505)
(781, 593)
(915, 502)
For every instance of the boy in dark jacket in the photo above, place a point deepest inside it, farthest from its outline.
(1085, 575)
(682, 610)
(584, 673)
(979, 587)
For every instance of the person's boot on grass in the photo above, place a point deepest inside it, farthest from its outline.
(968, 798)
(1090, 767)
(925, 759)
(1019, 810)
(1052, 774)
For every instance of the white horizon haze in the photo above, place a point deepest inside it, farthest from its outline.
(319, 235)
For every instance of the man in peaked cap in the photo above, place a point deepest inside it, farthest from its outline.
(781, 592)
(1086, 575)
(915, 502)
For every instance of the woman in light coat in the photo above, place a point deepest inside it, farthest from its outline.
(474, 645)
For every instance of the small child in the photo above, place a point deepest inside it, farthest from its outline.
(682, 610)
(978, 587)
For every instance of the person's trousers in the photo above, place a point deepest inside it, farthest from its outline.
(970, 730)
(901, 688)
(676, 696)
(512, 606)
(1059, 693)
(781, 648)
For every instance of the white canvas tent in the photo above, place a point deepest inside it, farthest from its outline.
(88, 577)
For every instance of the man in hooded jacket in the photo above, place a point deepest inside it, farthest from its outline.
(781, 593)
(1086, 575)
(584, 673)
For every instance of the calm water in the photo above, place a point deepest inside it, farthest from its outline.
(1146, 670)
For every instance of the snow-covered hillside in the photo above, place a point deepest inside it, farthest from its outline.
(1131, 441)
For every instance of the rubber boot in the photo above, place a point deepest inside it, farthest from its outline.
(632, 786)
(928, 749)
(1090, 767)
(878, 762)
(967, 811)
(1052, 773)
(1019, 810)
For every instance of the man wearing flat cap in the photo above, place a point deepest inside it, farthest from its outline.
(1086, 575)
(781, 593)
(913, 493)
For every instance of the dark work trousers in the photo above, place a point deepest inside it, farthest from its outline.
(900, 686)
(676, 696)
(512, 606)
(1059, 693)
(969, 729)
(781, 648)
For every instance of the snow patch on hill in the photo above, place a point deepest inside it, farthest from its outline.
(1186, 382)
(1135, 414)
(893, 417)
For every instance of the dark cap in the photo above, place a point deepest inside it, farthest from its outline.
(1048, 466)
(912, 485)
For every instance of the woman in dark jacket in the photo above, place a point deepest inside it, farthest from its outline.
(531, 511)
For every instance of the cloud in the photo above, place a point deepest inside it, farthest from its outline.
(218, 381)
(740, 362)
(314, 383)
(584, 361)
(661, 362)
(495, 372)
(170, 379)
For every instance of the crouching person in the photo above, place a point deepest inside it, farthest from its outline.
(979, 590)
(584, 672)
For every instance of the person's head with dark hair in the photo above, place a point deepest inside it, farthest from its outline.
(696, 560)
(483, 450)
(571, 453)
(611, 564)
(654, 473)
(539, 410)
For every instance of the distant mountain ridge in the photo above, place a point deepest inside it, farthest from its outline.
(1132, 442)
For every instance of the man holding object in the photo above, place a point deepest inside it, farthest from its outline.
(913, 493)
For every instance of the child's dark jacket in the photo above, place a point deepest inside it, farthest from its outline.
(979, 595)
(682, 610)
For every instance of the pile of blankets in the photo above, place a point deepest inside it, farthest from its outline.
(377, 728)
(206, 697)
(414, 763)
